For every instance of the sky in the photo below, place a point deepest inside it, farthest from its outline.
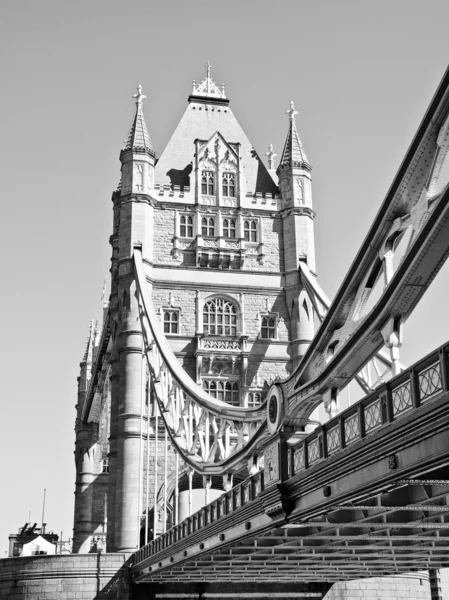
(361, 74)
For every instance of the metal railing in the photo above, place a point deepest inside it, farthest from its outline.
(240, 495)
(391, 401)
(424, 381)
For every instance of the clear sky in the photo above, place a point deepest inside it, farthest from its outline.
(361, 74)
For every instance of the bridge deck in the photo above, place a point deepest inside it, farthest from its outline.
(366, 494)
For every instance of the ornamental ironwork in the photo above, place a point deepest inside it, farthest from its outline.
(352, 431)
(402, 398)
(298, 460)
(333, 440)
(373, 416)
(313, 451)
(430, 381)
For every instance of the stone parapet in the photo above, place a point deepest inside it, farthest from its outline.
(65, 577)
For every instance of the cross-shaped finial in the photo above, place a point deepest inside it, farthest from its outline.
(139, 96)
(208, 66)
(271, 154)
(291, 111)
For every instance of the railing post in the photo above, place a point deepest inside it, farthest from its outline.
(444, 368)
(414, 387)
(361, 416)
(341, 426)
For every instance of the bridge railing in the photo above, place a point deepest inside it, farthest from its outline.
(389, 402)
(238, 496)
(425, 380)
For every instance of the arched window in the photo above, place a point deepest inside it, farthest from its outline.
(208, 226)
(226, 391)
(229, 228)
(250, 231)
(254, 399)
(208, 183)
(228, 184)
(186, 229)
(219, 317)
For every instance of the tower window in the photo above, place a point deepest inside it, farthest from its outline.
(254, 399)
(229, 228)
(228, 184)
(208, 226)
(268, 328)
(171, 321)
(208, 183)
(105, 465)
(226, 391)
(186, 226)
(250, 231)
(219, 317)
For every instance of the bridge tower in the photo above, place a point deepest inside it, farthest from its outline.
(133, 226)
(295, 181)
(221, 246)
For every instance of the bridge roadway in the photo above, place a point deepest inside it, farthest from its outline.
(364, 495)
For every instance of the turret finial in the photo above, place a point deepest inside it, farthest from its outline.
(208, 66)
(139, 96)
(291, 111)
(271, 155)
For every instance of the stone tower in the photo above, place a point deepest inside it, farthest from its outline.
(221, 247)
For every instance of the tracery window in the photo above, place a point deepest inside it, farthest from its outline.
(268, 328)
(228, 184)
(171, 321)
(250, 231)
(186, 226)
(219, 317)
(254, 399)
(229, 228)
(208, 226)
(208, 183)
(226, 391)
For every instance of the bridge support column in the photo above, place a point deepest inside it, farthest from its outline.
(127, 518)
(392, 334)
(83, 527)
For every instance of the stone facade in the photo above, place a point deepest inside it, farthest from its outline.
(222, 238)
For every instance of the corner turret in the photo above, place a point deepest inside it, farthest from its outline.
(295, 182)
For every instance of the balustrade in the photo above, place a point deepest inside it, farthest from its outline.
(406, 392)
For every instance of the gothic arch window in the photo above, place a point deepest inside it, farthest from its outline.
(268, 327)
(226, 391)
(208, 226)
(186, 226)
(220, 317)
(250, 231)
(229, 228)
(228, 184)
(208, 183)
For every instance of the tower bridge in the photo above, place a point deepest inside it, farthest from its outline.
(220, 362)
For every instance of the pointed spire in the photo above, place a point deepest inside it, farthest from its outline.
(89, 343)
(293, 151)
(138, 136)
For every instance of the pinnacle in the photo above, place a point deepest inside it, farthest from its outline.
(138, 136)
(293, 151)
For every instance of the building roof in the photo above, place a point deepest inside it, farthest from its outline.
(203, 117)
(138, 136)
(293, 151)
